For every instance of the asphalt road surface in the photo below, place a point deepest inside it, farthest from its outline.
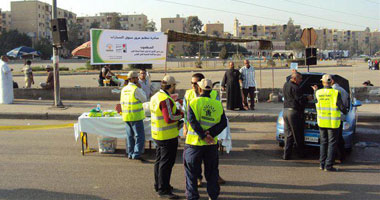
(356, 74)
(47, 164)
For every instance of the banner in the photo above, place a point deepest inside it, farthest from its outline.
(127, 47)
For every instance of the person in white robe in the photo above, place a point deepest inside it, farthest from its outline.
(6, 82)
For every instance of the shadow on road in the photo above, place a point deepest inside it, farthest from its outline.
(37, 194)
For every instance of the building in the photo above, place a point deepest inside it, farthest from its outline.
(214, 29)
(176, 24)
(135, 22)
(33, 18)
(6, 20)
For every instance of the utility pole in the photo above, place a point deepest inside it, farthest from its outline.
(57, 95)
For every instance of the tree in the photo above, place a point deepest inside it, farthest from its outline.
(45, 47)
(151, 26)
(290, 34)
(115, 22)
(95, 25)
(13, 39)
(73, 37)
(298, 46)
(193, 25)
(223, 53)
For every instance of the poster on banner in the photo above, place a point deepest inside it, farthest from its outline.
(127, 47)
(294, 65)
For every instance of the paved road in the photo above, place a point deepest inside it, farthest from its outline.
(356, 75)
(47, 164)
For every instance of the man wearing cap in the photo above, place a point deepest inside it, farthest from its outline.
(207, 120)
(164, 128)
(49, 85)
(329, 106)
(189, 96)
(131, 99)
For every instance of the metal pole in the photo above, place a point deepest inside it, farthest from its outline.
(260, 69)
(57, 97)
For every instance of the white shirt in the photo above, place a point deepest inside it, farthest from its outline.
(248, 77)
(146, 86)
(6, 84)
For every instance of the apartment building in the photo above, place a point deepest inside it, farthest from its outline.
(6, 20)
(176, 24)
(135, 22)
(33, 18)
(215, 28)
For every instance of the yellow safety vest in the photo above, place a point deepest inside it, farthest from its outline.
(208, 113)
(159, 128)
(190, 95)
(328, 114)
(132, 108)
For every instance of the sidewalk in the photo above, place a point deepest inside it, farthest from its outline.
(43, 109)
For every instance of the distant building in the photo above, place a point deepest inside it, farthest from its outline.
(6, 20)
(33, 18)
(176, 24)
(214, 29)
(135, 22)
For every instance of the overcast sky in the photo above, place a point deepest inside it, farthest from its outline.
(339, 14)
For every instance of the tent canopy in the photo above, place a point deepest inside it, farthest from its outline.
(174, 36)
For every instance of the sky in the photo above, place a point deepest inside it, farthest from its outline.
(337, 14)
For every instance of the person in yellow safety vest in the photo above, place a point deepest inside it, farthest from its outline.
(207, 120)
(329, 106)
(164, 128)
(131, 100)
(190, 95)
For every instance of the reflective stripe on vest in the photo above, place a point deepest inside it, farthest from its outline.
(159, 128)
(208, 112)
(132, 108)
(328, 114)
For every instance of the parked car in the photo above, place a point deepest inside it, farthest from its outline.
(311, 126)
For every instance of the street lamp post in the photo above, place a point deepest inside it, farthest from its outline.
(57, 97)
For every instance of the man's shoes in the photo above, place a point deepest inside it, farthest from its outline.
(171, 188)
(331, 169)
(243, 109)
(322, 167)
(252, 108)
(221, 181)
(286, 157)
(140, 159)
(199, 182)
(168, 195)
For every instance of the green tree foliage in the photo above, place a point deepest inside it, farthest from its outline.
(193, 25)
(45, 47)
(290, 34)
(95, 25)
(73, 34)
(151, 26)
(298, 46)
(223, 53)
(115, 22)
(13, 39)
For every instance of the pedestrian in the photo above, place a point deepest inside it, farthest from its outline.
(6, 82)
(249, 84)
(369, 64)
(329, 107)
(145, 83)
(345, 100)
(131, 100)
(105, 73)
(28, 73)
(294, 105)
(164, 128)
(49, 84)
(189, 96)
(207, 120)
(231, 85)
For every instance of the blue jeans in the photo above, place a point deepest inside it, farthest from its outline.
(135, 147)
(328, 146)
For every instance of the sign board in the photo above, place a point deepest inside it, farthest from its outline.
(308, 37)
(127, 47)
(294, 65)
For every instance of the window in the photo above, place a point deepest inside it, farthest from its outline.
(131, 25)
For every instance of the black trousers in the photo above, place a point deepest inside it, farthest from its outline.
(251, 92)
(294, 131)
(166, 153)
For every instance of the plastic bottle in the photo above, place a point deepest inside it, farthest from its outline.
(98, 108)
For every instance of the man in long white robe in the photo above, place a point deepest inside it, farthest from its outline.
(6, 82)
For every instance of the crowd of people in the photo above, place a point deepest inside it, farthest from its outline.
(204, 120)
(332, 103)
(373, 64)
